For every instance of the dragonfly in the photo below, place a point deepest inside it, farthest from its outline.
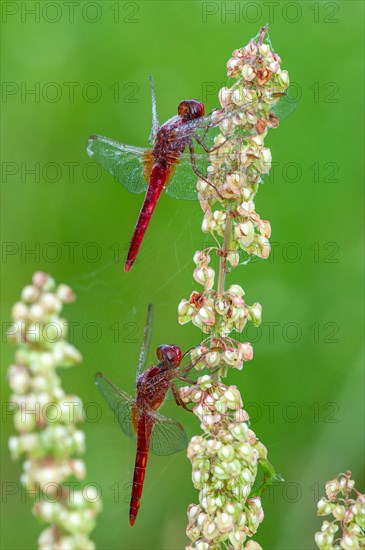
(139, 417)
(165, 165)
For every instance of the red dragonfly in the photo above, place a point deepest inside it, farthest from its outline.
(166, 164)
(138, 417)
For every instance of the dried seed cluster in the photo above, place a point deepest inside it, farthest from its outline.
(225, 459)
(347, 506)
(46, 418)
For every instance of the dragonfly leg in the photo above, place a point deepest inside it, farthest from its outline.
(186, 380)
(197, 172)
(207, 149)
(178, 399)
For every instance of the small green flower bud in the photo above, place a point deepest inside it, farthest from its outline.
(79, 441)
(220, 472)
(252, 545)
(78, 468)
(346, 484)
(213, 446)
(50, 302)
(247, 476)
(199, 478)
(244, 233)
(224, 522)
(324, 507)
(241, 520)
(237, 539)
(248, 73)
(350, 542)
(233, 358)
(193, 511)
(201, 464)
(240, 415)
(210, 529)
(19, 379)
(185, 311)
(36, 313)
(245, 349)
(240, 431)
(202, 545)
(256, 313)
(200, 519)
(196, 395)
(226, 453)
(29, 443)
(354, 529)
(220, 501)
(24, 422)
(206, 315)
(234, 509)
(196, 446)
(221, 406)
(33, 333)
(284, 79)
(332, 488)
(233, 468)
(30, 294)
(225, 96)
(207, 502)
(339, 512)
(193, 532)
(205, 382)
(14, 447)
(233, 258)
(236, 290)
(65, 294)
(233, 398)
(212, 359)
(19, 311)
(204, 276)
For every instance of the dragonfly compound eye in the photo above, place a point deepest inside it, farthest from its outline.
(191, 108)
(169, 353)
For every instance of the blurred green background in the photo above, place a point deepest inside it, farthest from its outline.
(89, 66)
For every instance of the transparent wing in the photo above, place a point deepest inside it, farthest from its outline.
(182, 184)
(120, 403)
(168, 436)
(124, 162)
(285, 107)
(146, 341)
(155, 124)
(130, 165)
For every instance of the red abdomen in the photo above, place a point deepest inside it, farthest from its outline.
(158, 178)
(143, 442)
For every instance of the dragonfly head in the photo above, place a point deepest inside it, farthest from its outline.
(169, 354)
(190, 109)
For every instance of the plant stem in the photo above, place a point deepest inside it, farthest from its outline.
(223, 255)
